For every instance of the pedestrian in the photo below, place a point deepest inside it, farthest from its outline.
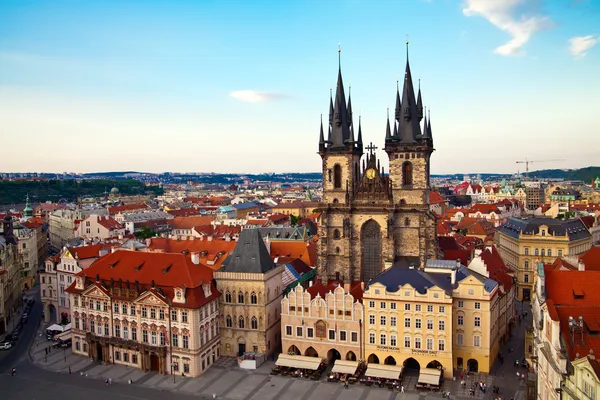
(346, 384)
(461, 375)
(401, 388)
(523, 375)
(46, 350)
(37, 343)
(110, 381)
(69, 370)
(106, 381)
(518, 375)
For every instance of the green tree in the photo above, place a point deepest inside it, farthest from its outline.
(145, 233)
(294, 220)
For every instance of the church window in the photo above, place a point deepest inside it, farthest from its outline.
(413, 155)
(241, 298)
(227, 297)
(254, 323)
(336, 234)
(371, 250)
(337, 176)
(321, 329)
(407, 172)
(241, 323)
(406, 221)
(253, 298)
(337, 250)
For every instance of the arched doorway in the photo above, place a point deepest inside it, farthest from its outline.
(333, 355)
(472, 365)
(390, 361)
(370, 239)
(311, 352)
(434, 364)
(411, 366)
(294, 350)
(241, 346)
(373, 359)
(350, 356)
(51, 315)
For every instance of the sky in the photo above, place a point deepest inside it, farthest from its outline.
(240, 86)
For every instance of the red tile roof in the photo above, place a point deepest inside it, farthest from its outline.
(485, 208)
(211, 253)
(356, 289)
(128, 207)
(218, 231)
(186, 212)
(109, 223)
(591, 259)
(90, 251)
(163, 271)
(33, 223)
(190, 222)
(305, 251)
(435, 198)
(559, 264)
(497, 270)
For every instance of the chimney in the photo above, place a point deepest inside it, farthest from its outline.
(195, 257)
(362, 286)
(453, 277)
(310, 283)
(132, 246)
(581, 266)
(209, 238)
(148, 242)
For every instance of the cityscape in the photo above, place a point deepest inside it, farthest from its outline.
(403, 266)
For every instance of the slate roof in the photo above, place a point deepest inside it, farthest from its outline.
(574, 228)
(244, 206)
(401, 274)
(250, 255)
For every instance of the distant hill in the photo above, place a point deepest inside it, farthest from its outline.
(14, 192)
(586, 174)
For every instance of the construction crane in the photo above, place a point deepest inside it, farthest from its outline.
(527, 162)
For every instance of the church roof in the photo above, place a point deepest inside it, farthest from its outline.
(250, 255)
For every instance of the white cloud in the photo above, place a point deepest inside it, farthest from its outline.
(579, 45)
(254, 96)
(503, 14)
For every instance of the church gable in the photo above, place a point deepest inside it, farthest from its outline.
(373, 184)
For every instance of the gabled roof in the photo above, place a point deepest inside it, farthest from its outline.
(250, 255)
(90, 251)
(435, 198)
(319, 289)
(109, 223)
(591, 259)
(211, 253)
(305, 251)
(190, 222)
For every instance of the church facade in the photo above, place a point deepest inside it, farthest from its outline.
(372, 219)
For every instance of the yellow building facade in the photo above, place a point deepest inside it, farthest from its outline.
(524, 242)
(443, 316)
(584, 382)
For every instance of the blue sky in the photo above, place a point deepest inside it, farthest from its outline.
(239, 86)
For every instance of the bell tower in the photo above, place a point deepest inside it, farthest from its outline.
(340, 155)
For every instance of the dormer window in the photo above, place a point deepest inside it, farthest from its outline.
(543, 232)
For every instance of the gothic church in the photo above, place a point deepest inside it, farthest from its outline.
(372, 220)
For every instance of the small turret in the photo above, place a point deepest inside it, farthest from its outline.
(388, 132)
(321, 137)
(420, 104)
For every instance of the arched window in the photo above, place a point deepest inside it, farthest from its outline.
(337, 250)
(254, 323)
(253, 298)
(228, 321)
(407, 172)
(406, 221)
(336, 234)
(337, 176)
(241, 298)
(335, 201)
(227, 297)
(320, 329)
(241, 323)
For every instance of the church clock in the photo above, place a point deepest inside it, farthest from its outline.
(370, 173)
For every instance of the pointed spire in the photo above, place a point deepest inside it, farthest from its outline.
(408, 127)
(388, 133)
(398, 114)
(330, 106)
(424, 130)
(419, 103)
(350, 104)
(395, 135)
(321, 137)
(360, 139)
(429, 135)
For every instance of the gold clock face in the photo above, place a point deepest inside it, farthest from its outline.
(370, 173)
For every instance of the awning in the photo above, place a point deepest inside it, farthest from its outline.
(55, 327)
(430, 376)
(384, 371)
(64, 336)
(300, 362)
(345, 367)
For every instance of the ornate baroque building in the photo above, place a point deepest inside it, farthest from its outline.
(371, 219)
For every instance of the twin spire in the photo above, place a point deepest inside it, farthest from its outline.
(408, 114)
(341, 126)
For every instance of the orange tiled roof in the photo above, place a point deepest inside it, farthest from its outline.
(591, 259)
(435, 198)
(127, 207)
(109, 223)
(356, 289)
(212, 253)
(497, 270)
(165, 271)
(33, 222)
(90, 251)
(485, 208)
(306, 251)
(190, 222)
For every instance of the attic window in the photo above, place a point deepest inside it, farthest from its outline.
(578, 293)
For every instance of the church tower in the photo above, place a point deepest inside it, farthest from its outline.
(369, 219)
(409, 150)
